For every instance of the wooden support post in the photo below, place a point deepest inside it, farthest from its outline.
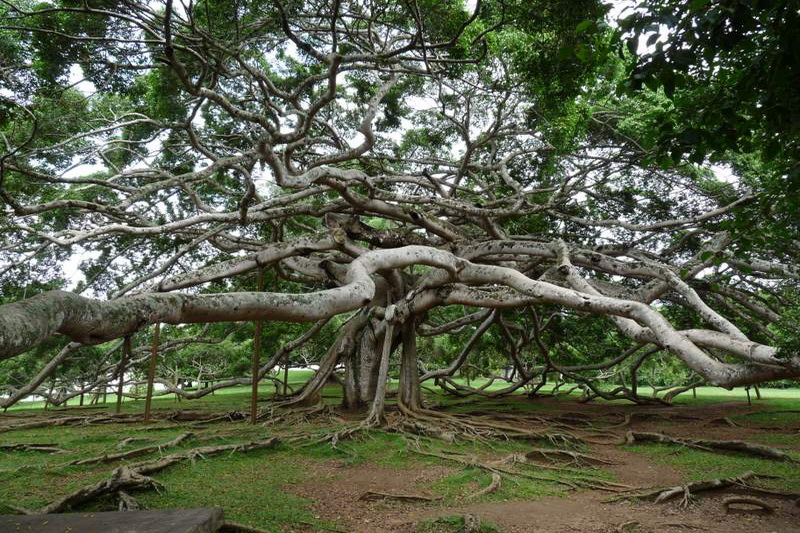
(758, 392)
(151, 372)
(126, 353)
(747, 390)
(49, 393)
(694, 392)
(256, 356)
(286, 376)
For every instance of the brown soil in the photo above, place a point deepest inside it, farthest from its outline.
(335, 489)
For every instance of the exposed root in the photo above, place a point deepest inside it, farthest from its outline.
(472, 462)
(415, 427)
(123, 478)
(166, 427)
(74, 408)
(19, 510)
(758, 450)
(605, 438)
(275, 414)
(21, 468)
(49, 422)
(558, 455)
(331, 437)
(135, 477)
(684, 526)
(490, 488)
(32, 447)
(130, 440)
(762, 506)
(205, 418)
(371, 496)
(627, 419)
(770, 412)
(724, 421)
(627, 527)
(501, 469)
(123, 418)
(663, 494)
(127, 502)
(110, 458)
(441, 425)
(519, 458)
(472, 524)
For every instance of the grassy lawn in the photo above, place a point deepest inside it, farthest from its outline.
(255, 488)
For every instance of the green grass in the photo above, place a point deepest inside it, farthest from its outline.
(249, 487)
(699, 465)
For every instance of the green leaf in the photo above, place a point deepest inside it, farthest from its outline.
(696, 5)
(583, 26)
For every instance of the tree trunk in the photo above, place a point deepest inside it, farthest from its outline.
(410, 395)
(344, 345)
(49, 393)
(151, 372)
(256, 357)
(378, 402)
(126, 355)
(362, 365)
(286, 376)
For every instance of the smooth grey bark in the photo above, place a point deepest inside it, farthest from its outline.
(362, 366)
(29, 322)
(410, 394)
(379, 401)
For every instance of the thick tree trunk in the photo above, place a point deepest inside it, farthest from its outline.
(344, 345)
(362, 365)
(375, 415)
(410, 395)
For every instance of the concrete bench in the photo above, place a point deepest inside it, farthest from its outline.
(156, 521)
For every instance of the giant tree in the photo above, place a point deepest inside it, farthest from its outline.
(385, 162)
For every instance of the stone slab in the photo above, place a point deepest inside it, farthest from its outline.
(156, 521)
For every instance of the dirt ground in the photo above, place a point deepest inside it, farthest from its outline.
(336, 489)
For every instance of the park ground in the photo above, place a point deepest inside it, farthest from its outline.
(309, 484)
